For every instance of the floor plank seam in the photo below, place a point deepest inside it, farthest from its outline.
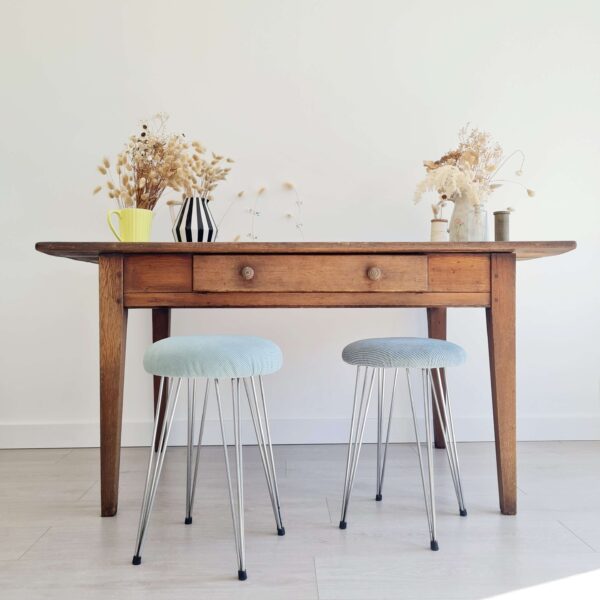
(331, 521)
(34, 543)
(71, 450)
(86, 491)
(579, 538)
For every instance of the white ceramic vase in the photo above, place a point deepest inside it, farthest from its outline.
(459, 222)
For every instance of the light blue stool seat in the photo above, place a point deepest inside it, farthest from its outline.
(213, 356)
(404, 352)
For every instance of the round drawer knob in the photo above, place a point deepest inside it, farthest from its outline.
(248, 273)
(374, 273)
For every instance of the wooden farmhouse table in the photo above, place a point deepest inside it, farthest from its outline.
(435, 276)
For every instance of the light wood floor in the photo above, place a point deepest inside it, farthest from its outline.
(53, 544)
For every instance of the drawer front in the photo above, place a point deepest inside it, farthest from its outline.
(158, 273)
(459, 273)
(309, 273)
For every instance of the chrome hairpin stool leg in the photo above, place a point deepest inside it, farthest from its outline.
(357, 427)
(236, 502)
(381, 448)
(442, 406)
(238, 536)
(191, 410)
(427, 479)
(258, 412)
(156, 460)
(192, 472)
(357, 430)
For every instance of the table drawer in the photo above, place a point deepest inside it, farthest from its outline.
(309, 273)
(158, 273)
(459, 273)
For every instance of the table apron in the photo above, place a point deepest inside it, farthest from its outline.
(305, 299)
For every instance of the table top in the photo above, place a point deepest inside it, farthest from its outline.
(90, 251)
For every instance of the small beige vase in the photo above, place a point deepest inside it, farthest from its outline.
(439, 230)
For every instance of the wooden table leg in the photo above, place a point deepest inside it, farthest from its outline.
(161, 329)
(501, 339)
(113, 331)
(436, 325)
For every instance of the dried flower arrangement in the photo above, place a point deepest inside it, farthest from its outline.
(154, 160)
(468, 172)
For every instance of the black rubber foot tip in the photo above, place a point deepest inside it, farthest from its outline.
(242, 576)
(343, 524)
(281, 531)
(463, 512)
(434, 545)
(188, 520)
(137, 560)
(378, 497)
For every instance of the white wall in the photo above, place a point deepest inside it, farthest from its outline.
(345, 98)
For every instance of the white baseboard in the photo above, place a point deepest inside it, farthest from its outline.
(293, 431)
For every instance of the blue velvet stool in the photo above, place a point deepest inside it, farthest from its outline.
(239, 359)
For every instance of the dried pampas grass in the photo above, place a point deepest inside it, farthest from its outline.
(153, 161)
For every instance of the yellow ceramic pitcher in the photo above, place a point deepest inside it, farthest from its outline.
(135, 224)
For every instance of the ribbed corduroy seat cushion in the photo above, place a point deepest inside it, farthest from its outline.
(213, 356)
(404, 352)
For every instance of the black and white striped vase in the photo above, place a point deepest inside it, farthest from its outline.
(195, 223)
